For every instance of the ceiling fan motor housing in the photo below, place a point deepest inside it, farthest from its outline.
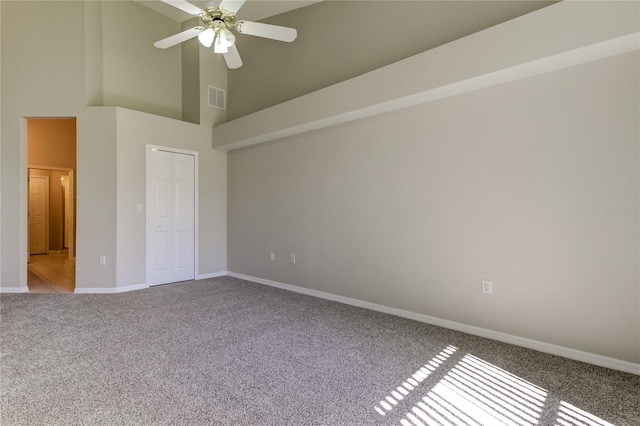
(215, 14)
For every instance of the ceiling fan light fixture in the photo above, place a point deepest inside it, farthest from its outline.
(219, 46)
(227, 37)
(216, 23)
(206, 37)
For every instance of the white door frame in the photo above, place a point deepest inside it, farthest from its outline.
(67, 237)
(23, 196)
(148, 149)
(72, 200)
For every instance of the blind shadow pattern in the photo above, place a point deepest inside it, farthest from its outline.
(473, 392)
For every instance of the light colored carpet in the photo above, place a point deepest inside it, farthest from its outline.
(229, 352)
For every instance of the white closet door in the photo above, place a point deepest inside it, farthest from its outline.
(171, 216)
(183, 217)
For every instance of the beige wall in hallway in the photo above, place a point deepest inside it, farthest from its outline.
(52, 143)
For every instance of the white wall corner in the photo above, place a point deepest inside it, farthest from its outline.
(212, 275)
(95, 290)
(110, 290)
(133, 287)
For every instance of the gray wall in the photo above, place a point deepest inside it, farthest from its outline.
(81, 54)
(190, 76)
(201, 68)
(31, 89)
(412, 209)
(136, 74)
(338, 40)
(97, 197)
(135, 131)
(1, 188)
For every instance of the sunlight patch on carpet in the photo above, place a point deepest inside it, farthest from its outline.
(569, 415)
(474, 392)
(414, 380)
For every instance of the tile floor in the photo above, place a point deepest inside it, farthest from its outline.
(51, 273)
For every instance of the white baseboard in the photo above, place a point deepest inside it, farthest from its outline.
(94, 290)
(112, 290)
(131, 287)
(109, 290)
(602, 361)
(23, 289)
(212, 275)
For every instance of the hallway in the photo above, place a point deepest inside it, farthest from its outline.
(51, 273)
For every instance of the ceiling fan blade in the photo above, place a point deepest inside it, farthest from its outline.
(178, 38)
(232, 5)
(184, 6)
(232, 57)
(274, 32)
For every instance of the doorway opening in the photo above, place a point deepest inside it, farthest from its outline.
(51, 209)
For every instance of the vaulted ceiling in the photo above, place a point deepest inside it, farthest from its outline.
(339, 40)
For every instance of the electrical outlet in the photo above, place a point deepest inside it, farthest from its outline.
(293, 258)
(272, 256)
(487, 286)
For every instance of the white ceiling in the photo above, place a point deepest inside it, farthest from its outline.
(252, 10)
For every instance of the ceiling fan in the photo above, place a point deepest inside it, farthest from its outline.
(215, 30)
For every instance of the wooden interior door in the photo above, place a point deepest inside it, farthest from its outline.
(38, 214)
